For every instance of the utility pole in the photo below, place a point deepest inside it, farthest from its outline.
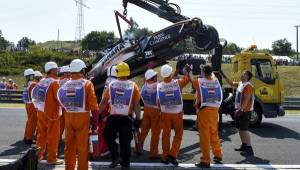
(57, 46)
(297, 26)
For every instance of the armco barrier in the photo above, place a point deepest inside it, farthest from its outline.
(292, 103)
(11, 96)
(15, 96)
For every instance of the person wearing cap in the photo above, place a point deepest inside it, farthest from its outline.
(111, 76)
(244, 103)
(65, 76)
(171, 106)
(124, 98)
(151, 116)
(44, 97)
(77, 97)
(11, 85)
(38, 76)
(31, 123)
(208, 100)
(3, 83)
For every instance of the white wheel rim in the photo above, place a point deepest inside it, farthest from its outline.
(254, 117)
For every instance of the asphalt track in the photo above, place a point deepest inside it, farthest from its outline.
(276, 142)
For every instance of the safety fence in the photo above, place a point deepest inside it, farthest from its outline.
(292, 103)
(11, 96)
(15, 96)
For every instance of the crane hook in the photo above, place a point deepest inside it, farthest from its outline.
(125, 2)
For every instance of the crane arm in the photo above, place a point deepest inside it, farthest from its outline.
(161, 8)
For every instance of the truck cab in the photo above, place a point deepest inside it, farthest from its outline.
(269, 92)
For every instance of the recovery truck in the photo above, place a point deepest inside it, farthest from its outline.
(161, 46)
(269, 92)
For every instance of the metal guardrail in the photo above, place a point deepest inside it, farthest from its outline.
(292, 103)
(11, 96)
(15, 96)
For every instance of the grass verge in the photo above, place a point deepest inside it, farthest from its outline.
(292, 112)
(11, 105)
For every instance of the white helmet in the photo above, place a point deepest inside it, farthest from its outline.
(38, 74)
(166, 71)
(28, 72)
(77, 65)
(65, 69)
(150, 74)
(10, 80)
(111, 71)
(50, 65)
(3, 78)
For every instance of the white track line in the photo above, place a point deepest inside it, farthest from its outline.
(134, 164)
(183, 165)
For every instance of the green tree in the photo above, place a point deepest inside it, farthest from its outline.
(265, 50)
(96, 40)
(231, 49)
(3, 42)
(25, 42)
(136, 31)
(282, 47)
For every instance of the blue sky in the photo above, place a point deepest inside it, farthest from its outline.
(240, 21)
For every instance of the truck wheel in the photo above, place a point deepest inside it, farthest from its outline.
(256, 117)
(188, 107)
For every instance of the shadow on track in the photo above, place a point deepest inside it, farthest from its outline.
(271, 130)
(18, 148)
(253, 160)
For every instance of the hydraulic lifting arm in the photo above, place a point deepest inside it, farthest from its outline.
(161, 8)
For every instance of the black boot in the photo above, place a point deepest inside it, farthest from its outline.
(202, 165)
(172, 160)
(115, 163)
(125, 166)
(164, 161)
(248, 151)
(28, 142)
(242, 148)
(217, 159)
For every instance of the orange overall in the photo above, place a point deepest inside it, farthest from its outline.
(208, 128)
(77, 126)
(31, 123)
(12, 86)
(62, 80)
(171, 121)
(151, 120)
(48, 124)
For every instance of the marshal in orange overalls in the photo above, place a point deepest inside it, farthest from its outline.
(208, 127)
(151, 117)
(171, 121)
(31, 123)
(62, 81)
(77, 126)
(48, 123)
